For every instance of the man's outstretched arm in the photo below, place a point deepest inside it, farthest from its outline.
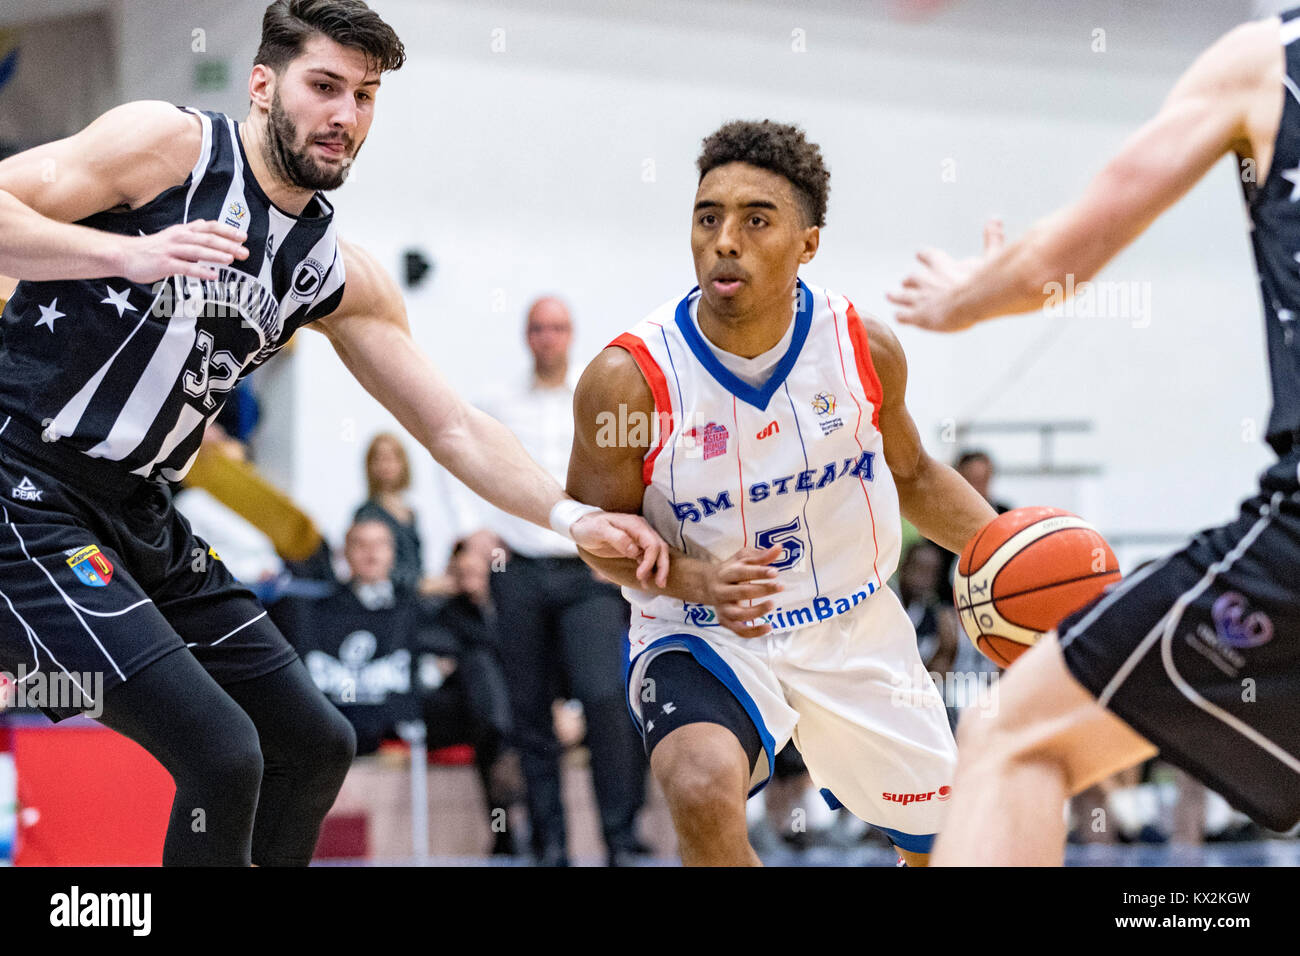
(370, 333)
(1229, 99)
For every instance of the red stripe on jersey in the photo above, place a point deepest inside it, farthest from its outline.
(744, 530)
(852, 317)
(866, 368)
(654, 377)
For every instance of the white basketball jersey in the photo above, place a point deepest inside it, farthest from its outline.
(798, 461)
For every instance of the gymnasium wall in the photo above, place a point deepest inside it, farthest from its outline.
(531, 148)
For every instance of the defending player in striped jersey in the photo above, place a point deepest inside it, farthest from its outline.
(1170, 658)
(782, 455)
(164, 254)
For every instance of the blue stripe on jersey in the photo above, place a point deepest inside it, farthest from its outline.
(807, 525)
(672, 455)
(758, 397)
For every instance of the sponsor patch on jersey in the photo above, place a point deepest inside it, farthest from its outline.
(236, 213)
(307, 279)
(823, 404)
(91, 566)
(711, 439)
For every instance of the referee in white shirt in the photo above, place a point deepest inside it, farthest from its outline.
(561, 629)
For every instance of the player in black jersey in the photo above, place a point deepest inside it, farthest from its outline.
(163, 254)
(1196, 655)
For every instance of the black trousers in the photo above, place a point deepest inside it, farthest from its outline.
(562, 630)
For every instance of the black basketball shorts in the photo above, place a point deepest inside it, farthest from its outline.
(1200, 652)
(100, 576)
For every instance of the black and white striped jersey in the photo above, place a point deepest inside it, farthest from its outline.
(1274, 207)
(134, 372)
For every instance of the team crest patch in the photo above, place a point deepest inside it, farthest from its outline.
(712, 439)
(307, 280)
(91, 566)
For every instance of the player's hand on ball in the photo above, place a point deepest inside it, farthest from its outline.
(926, 297)
(193, 249)
(612, 534)
(734, 584)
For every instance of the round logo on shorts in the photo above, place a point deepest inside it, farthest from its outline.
(1237, 625)
(944, 793)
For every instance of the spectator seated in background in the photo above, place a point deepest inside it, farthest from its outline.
(388, 477)
(465, 698)
(385, 656)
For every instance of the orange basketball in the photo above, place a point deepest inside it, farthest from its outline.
(1024, 572)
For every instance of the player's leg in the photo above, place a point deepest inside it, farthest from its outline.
(307, 749)
(1195, 655)
(307, 746)
(704, 772)
(1042, 739)
(706, 748)
(69, 607)
(178, 713)
(702, 766)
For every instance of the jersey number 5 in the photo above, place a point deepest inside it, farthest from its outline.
(786, 535)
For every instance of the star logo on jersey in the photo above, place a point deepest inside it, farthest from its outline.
(1293, 177)
(26, 491)
(307, 280)
(48, 314)
(91, 566)
(119, 300)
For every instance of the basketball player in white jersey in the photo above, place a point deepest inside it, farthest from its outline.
(783, 454)
(106, 385)
(1163, 660)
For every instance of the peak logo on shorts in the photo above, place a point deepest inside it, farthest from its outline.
(943, 793)
(26, 491)
(91, 566)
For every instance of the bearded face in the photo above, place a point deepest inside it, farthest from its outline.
(318, 161)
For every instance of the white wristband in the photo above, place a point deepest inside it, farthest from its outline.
(566, 512)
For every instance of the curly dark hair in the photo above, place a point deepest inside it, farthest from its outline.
(778, 147)
(287, 24)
